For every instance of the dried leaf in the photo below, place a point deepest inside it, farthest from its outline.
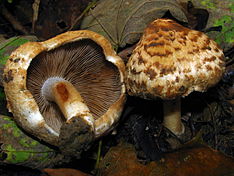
(57, 16)
(18, 148)
(219, 128)
(122, 22)
(192, 161)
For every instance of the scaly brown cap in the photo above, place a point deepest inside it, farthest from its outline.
(171, 60)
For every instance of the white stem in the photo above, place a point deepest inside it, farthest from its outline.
(69, 100)
(172, 116)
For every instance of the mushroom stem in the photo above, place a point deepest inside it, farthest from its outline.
(69, 100)
(172, 116)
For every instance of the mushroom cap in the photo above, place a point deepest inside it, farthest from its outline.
(171, 60)
(21, 101)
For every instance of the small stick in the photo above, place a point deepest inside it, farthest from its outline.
(98, 155)
(35, 8)
(91, 5)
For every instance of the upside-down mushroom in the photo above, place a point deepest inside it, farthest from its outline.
(67, 90)
(171, 61)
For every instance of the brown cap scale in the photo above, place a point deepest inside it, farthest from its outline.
(54, 87)
(171, 61)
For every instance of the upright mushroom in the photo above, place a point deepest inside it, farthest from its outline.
(67, 90)
(171, 61)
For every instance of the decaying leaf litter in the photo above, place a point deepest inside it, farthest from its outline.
(208, 116)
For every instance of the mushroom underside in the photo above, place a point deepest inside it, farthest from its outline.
(84, 65)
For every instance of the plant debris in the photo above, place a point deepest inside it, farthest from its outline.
(201, 160)
(20, 149)
(124, 21)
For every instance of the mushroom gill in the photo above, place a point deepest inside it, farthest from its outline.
(81, 63)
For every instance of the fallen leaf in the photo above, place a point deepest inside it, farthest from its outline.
(18, 148)
(57, 16)
(193, 161)
(122, 22)
(64, 172)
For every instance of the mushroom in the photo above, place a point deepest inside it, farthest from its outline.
(66, 91)
(169, 62)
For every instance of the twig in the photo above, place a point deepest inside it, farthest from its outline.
(91, 5)
(14, 22)
(35, 8)
(98, 155)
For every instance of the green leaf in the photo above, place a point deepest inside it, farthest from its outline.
(221, 13)
(18, 148)
(7, 46)
(227, 33)
(14, 156)
(3, 58)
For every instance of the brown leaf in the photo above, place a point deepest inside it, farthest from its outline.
(192, 161)
(122, 22)
(64, 172)
(57, 16)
